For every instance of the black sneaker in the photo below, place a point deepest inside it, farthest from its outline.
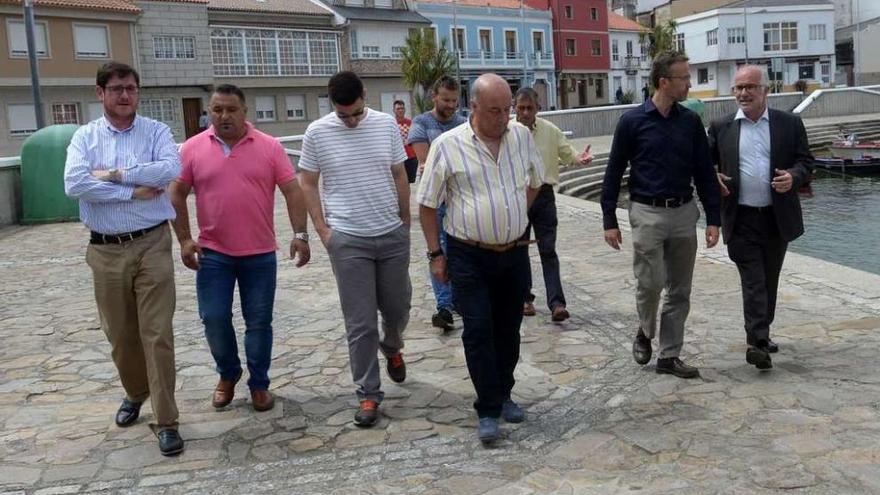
(759, 356)
(443, 319)
(674, 366)
(367, 414)
(396, 368)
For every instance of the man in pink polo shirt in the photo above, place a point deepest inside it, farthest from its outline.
(234, 169)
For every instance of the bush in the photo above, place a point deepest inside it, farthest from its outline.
(628, 97)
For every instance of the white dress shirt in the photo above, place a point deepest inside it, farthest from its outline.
(754, 160)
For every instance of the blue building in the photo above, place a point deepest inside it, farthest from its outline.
(500, 36)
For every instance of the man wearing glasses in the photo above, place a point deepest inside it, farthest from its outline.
(362, 215)
(763, 158)
(666, 148)
(118, 167)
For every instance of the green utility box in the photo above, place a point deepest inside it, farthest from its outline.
(42, 176)
(697, 107)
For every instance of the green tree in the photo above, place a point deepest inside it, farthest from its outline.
(661, 38)
(423, 63)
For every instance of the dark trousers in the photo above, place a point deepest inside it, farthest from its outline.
(489, 290)
(542, 216)
(758, 251)
(411, 165)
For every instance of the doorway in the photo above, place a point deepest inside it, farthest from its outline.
(192, 110)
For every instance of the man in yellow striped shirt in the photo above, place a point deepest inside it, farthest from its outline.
(487, 171)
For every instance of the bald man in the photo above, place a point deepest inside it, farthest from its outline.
(487, 202)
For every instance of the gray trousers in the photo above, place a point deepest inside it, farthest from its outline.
(372, 273)
(664, 250)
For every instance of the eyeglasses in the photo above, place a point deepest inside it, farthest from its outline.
(746, 88)
(118, 90)
(353, 115)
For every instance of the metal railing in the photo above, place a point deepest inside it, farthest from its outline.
(504, 59)
(840, 101)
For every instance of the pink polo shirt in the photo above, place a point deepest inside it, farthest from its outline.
(235, 194)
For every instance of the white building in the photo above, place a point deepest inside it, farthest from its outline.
(630, 64)
(794, 39)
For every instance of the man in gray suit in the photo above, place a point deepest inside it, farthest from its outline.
(763, 157)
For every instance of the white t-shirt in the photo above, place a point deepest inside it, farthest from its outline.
(358, 193)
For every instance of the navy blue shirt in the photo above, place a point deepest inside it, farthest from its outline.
(664, 154)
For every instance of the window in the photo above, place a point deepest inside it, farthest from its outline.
(780, 36)
(629, 48)
(370, 51)
(296, 107)
(825, 67)
(161, 110)
(174, 47)
(485, 40)
(570, 47)
(396, 52)
(382, 4)
(265, 106)
(568, 12)
(615, 56)
(702, 76)
(736, 35)
(538, 42)
(458, 43)
(806, 70)
(65, 113)
(594, 14)
(354, 3)
(96, 110)
(712, 37)
(18, 39)
(679, 42)
(600, 88)
(817, 31)
(273, 52)
(510, 43)
(91, 41)
(22, 119)
(596, 48)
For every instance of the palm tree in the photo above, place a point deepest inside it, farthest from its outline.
(423, 63)
(661, 38)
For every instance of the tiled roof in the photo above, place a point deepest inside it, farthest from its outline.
(774, 3)
(620, 23)
(382, 15)
(111, 5)
(301, 7)
(503, 4)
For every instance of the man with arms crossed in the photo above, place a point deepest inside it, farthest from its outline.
(234, 169)
(362, 216)
(118, 168)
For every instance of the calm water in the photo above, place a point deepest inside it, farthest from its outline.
(842, 221)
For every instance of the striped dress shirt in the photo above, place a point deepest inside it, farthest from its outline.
(485, 199)
(145, 154)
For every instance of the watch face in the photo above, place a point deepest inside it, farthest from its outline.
(303, 236)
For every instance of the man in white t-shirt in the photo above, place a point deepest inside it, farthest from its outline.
(362, 215)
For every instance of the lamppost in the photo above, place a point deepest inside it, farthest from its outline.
(857, 66)
(32, 57)
(522, 22)
(457, 51)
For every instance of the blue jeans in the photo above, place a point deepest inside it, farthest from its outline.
(442, 292)
(215, 287)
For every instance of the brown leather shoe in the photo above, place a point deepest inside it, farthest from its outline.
(528, 308)
(262, 400)
(224, 392)
(559, 314)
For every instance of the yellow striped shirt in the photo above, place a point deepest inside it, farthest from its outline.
(485, 199)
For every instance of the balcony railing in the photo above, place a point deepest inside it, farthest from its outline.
(486, 59)
(630, 62)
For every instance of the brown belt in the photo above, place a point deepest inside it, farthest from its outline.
(498, 248)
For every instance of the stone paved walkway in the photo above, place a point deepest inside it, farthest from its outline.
(597, 422)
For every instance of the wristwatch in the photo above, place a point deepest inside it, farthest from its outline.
(301, 236)
(432, 255)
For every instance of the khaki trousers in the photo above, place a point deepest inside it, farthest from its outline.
(134, 289)
(664, 251)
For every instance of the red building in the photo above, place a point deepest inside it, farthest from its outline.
(580, 42)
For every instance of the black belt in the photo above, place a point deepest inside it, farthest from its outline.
(671, 202)
(498, 248)
(756, 209)
(99, 238)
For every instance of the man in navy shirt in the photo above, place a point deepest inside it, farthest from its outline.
(666, 147)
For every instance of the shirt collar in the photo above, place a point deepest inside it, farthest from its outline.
(110, 127)
(764, 116)
(473, 133)
(651, 107)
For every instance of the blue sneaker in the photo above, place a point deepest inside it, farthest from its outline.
(487, 430)
(511, 412)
